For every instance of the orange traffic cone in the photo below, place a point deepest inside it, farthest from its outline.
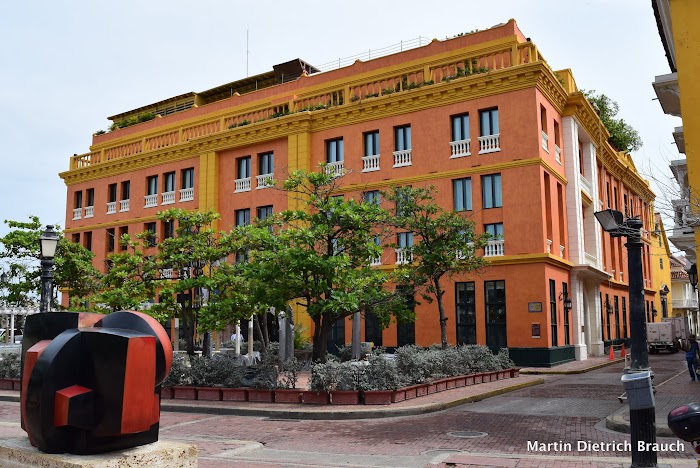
(622, 351)
(612, 353)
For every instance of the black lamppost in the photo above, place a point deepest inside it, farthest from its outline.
(47, 242)
(642, 420)
(693, 276)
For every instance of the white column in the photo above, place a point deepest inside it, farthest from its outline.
(577, 319)
(573, 191)
(238, 338)
(595, 325)
(250, 340)
(12, 328)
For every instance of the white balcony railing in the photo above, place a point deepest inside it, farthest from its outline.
(242, 185)
(557, 154)
(111, 207)
(549, 245)
(166, 273)
(545, 140)
(403, 256)
(370, 163)
(622, 276)
(494, 248)
(684, 303)
(402, 158)
(168, 198)
(124, 205)
(336, 169)
(490, 143)
(264, 181)
(187, 194)
(460, 148)
(89, 211)
(151, 200)
(561, 251)
(77, 213)
(375, 261)
(586, 184)
(591, 260)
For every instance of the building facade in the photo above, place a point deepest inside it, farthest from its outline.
(482, 117)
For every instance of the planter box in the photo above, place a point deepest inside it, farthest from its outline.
(451, 383)
(209, 393)
(432, 388)
(515, 372)
(315, 398)
(469, 380)
(16, 384)
(261, 395)
(411, 392)
(287, 395)
(421, 390)
(440, 385)
(504, 374)
(345, 397)
(166, 393)
(460, 381)
(478, 378)
(399, 395)
(378, 397)
(184, 393)
(5, 384)
(234, 394)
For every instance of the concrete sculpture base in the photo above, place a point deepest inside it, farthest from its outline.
(18, 453)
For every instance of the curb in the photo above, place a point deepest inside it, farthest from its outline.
(343, 415)
(577, 371)
(617, 423)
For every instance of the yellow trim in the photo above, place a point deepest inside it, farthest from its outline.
(209, 183)
(126, 222)
(513, 260)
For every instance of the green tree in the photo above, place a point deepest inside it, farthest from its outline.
(622, 136)
(73, 271)
(446, 244)
(323, 257)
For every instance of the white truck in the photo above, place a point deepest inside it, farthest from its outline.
(663, 335)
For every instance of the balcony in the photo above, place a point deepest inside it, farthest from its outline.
(264, 181)
(494, 248)
(489, 143)
(375, 261)
(460, 148)
(187, 194)
(166, 273)
(679, 138)
(242, 185)
(685, 303)
(666, 88)
(151, 200)
(335, 169)
(545, 140)
(561, 251)
(168, 198)
(591, 260)
(77, 213)
(124, 205)
(89, 211)
(111, 207)
(403, 256)
(370, 163)
(557, 154)
(402, 158)
(549, 245)
(586, 185)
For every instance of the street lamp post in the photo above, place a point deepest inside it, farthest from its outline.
(47, 242)
(642, 420)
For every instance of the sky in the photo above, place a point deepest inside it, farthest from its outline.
(66, 66)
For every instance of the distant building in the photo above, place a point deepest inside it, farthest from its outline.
(685, 299)
(482, 117)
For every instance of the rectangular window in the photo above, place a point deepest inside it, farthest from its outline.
(266, 163)
(556, 134)
(78, 199)
(402, 138)
(608, 312)
(488, 120)
(122, 231)
(661, 263)
(616, 306)
(112, 193)
(334, 150)
(243, 167)
(152, 185)
(110, 238)
(87, 239)
(402, 196)
(90, 195)
(188, 178)
(465, 300)
(580, 158)
(168, 229)
(150, 228)
(624, 316)
(373, 329)
(543, 119)
(75, 238)
(126, 188)
(567, 313)
(460, 127)
(495, 229)
(169, 182)
(371, 143)
(264, 212)
(243, 217)
(372, 196)
(462, 194)
(491, 191)
(553, 312)
(404, 239)
(495, 309)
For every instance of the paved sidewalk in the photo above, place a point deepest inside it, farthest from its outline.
(573, 367)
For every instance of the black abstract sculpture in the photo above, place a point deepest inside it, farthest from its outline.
(91, 382)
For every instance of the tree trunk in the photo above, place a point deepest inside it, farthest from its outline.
(206, 345)
(256, 321)
(441, 308)
(322, 326)
(187, 330)
(265, 331)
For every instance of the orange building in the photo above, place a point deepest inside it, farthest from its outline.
(481, 116)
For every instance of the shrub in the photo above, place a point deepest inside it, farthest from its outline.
(10, 366)
(289, 373)
(333, 375)
(179, 373)
(381, 373)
